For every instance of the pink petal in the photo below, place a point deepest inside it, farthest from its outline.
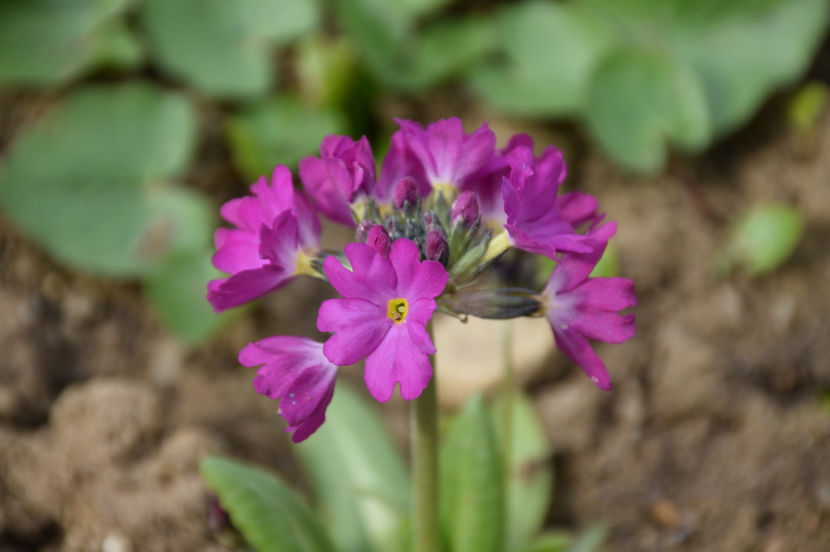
(610, 294)
(605, 326)
(575, 347)
(578, 207)
(278, 244)
(245, 286)
(358, 326)
(397, 360)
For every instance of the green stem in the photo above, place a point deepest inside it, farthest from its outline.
(425, 469)
(508, 385)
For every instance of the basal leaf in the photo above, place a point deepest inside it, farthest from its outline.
(471, 491)
(45, 42)
(271, 516)
(224, 47)
(360, 480)
(639, 99)
(280, 130)
(530, 485)
(85, 179)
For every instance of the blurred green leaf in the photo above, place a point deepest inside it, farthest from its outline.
(280, 130)
(609, 264)
(590, 540)
(87, 181)
(637, 99)
(46, 42)
(472, 496)
(551, 542)
(360, 480)
(744, 50)
(763, 238)
(531, 474)
(446, 48)
(687, 71)
(806, 106)
(551, 51)
(385, 35)
(223, 47)
(271, 516)
(177, 290)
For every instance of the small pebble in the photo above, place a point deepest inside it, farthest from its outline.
(664, 513)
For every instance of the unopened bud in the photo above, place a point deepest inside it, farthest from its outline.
(465, 209)
(379, 239)
(406, 191)
(362, 230)
(437, 248)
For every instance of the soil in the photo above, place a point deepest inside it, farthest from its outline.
(715, 437)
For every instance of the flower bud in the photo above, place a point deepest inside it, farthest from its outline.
(362, 230)
(465, 209)
(379, 239)
(437, 248)
(406, 191)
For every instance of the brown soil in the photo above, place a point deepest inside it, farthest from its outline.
(714, 437)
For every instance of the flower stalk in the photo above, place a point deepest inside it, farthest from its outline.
(425, 528)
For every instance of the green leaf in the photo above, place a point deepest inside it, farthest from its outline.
(280, 130)
(608, 265)
(87, 181)
(551, 542)
(271, 516)
(763, 238)
(46, 42)
(360, 480)
(751, 49)
(224, 47)
(530, 486)
(177, 290)
(472, 495)
(446, 48)
(702, 68)
(806, 106)
(552, 50)
(590, 540)
(640, 98)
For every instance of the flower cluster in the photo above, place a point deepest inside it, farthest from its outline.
(444, 207)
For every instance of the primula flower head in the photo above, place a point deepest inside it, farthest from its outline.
(295, 372)
(535, 219)
(382, 316)
(444, 208)
(447, 154)
(579, 307)
(344, 172)
(275, 232)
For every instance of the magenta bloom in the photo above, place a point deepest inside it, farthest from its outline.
(579, 307)
(447, 154)
(344, 171)
(537, 220)
(273, 229)
(295, 372)
(386, 304)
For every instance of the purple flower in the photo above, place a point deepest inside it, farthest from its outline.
(486, 182)
(274, 231)
(295, 372)
(398, 164)
(537, 220)
(579, 307)
(447, 154)
(386, 304)
(344, 171)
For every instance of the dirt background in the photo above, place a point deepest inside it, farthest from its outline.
(715, 437)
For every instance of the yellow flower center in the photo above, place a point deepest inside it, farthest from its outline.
(397, 310)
